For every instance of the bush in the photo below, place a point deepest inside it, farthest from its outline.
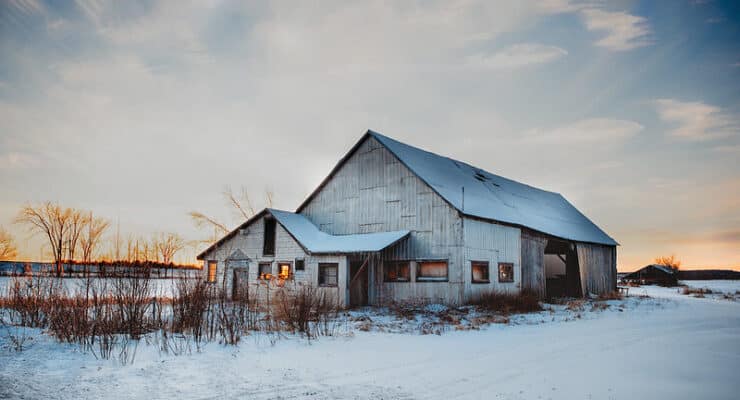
(508, 303)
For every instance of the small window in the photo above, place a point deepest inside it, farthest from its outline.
(284, 271)
(505, 272)
(300, 264)
(397, 271)
(268, 248)
(328, 274)
(265, 271)
(431, 271)
(212, 266)
(480, 272)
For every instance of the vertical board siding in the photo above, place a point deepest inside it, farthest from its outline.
(598, 265)
(374, 192)
(286, 250)
(493, 243)
(533, 263)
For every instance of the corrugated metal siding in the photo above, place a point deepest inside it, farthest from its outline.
(375, 192)
(494, 243)
(598, 265)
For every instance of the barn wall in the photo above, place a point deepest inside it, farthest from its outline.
(598, 267)
(286, 250)
(533, 262)
(494, 243)
(375, 192)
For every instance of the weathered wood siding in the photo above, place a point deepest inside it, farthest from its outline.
(375, 192)
(287, 249)
(493, 243)
(533, 262)
(598, 267)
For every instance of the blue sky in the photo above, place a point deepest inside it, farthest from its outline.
(145, 110)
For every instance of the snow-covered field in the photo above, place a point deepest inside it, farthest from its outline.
(669, 346)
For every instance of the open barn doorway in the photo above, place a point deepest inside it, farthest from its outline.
(562, 274)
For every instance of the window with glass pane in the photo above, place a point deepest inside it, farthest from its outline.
(480, 271)
(284, 270)
(397, 271)
(265, 271)
(212, 266)
(328, 273)
(505, 272)
(431, 271)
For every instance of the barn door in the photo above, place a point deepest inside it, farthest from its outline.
(239, 289)
(358, 286)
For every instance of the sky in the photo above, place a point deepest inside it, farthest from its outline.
(144, 110)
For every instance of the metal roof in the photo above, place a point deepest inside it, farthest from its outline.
(479, 193)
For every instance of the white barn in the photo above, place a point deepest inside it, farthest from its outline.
(393, 222)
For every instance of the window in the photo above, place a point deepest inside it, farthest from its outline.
(431, 271)
(212, 266)
(328, 274)
(268, 248)
(284, 271)
(480, 271)
(265, 271)
(300, 264)
(505, 272)
(397, 271)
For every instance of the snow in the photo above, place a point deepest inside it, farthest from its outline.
(159, 287)
(316, 241)
(494, 197)
(669, 346)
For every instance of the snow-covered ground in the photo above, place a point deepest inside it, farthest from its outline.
(669, 346)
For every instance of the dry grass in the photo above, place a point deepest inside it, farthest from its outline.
(508, 303)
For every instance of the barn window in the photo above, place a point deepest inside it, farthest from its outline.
(505, 272)
(284, 271)
(300, 264)
(397, 271)
(265, 271)
(268, 248)
(212, 266)
(480, 271)
(328, 274)
(431, 271)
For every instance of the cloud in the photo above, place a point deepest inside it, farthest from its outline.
(518, 55)
(588, 131)
(696, 120)
(27, 6)
(623, 31)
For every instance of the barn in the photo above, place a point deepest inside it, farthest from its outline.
(393, 223)
(653, 274)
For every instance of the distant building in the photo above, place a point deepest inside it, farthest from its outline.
(653, 274)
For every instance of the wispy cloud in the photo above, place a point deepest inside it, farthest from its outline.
(27, 6)
(518, 55)
(696, 120)
(588, 131)
(623, 31)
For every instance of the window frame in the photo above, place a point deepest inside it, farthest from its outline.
(302, 262)
(290, 269)
(487, 265)
(420, 278)
(213, 263)
(505, 264)
(324, 265)
(395, 264)
(266, 277)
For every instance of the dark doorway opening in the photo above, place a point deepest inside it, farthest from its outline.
(239, 288)
(359, 282)
(562, 274)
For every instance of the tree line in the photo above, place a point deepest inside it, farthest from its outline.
(76, 236)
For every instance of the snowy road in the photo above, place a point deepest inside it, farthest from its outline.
(678, 347)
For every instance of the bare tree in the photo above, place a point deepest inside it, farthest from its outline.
(671, 262)
(77, 222)
(168, 244)
(91, 235)
(50, 220)
(241, 207)
(8, 250)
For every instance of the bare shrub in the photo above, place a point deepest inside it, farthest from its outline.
(613, 295)
(308, 311)
(508, 303)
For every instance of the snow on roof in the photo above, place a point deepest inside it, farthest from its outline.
(494, 197)
(316, 241)
(666, 269)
